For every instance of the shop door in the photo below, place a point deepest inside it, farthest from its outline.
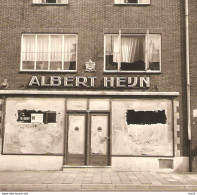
(88, 140)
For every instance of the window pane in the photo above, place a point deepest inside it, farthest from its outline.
(133, 53)
(56, 52)
(112, 52)
(28, 52)
(70, 44)
(42, 52)
(154, 45)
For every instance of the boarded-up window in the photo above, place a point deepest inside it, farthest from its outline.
(146, 117)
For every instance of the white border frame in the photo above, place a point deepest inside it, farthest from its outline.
(134, 71)
(26, 70)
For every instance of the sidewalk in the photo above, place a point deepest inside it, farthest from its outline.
(96, 180)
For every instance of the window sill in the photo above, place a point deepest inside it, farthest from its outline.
(49, 71)
(132, 4)
(49, 4)
(132, 72)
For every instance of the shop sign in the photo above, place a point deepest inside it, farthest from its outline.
(81, 81)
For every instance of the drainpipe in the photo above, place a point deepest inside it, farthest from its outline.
(188, 82)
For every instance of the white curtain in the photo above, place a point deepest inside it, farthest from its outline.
(154, 42)
(120, 1)
(70, 48)
(112, 46)
(38, 1)
(133, 49)
(28, 48)
(56, 48)
(42, 47)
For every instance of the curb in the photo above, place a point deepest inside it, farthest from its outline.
(93, 187)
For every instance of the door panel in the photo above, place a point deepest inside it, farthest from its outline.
(76, 139)
(99, 140)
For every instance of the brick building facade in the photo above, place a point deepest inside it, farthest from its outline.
(112, 92)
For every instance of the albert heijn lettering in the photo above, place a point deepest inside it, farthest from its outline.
(81, 81)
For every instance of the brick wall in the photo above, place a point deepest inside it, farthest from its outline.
(91, 19)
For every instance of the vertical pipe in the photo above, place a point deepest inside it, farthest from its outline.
(188, 82)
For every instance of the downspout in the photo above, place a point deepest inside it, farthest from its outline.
(188, 82)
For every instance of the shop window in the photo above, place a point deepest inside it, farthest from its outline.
(44, 52)
(133, 53)
(146, 117)
(144, 2)
(50, 1)
(32, 116)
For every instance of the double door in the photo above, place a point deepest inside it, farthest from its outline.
(88, 139)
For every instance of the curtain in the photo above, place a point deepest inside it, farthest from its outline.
(120, 1)
(28, 48)
(70, 48)
(56, 48)
(42, 47)
(154, 42)
(133, 49)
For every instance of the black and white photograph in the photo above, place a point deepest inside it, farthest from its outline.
(98, 96)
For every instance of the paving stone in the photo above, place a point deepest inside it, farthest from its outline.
(124, 178)
(152, 179)
(115, 178)
(133, 178)
(62, 187)
(106, 179)
(142, 179)
(97, 177)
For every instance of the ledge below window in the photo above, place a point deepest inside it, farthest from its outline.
(49, 71)
(49, 4)
(132, 72)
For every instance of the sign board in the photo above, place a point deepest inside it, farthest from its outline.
(37, 118)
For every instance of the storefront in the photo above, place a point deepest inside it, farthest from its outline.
(121, 130)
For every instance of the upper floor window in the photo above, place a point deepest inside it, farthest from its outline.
(44, 52)
(50, 1)
(133, 52)
(132, 2)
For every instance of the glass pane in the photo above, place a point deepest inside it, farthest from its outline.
(111, 52)
(56, 52)
(70, 48)
(42, 52)
(154, 45)
(133, 53)
(28, 65)
(28, 52)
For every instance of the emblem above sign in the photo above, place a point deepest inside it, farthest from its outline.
(90, 66)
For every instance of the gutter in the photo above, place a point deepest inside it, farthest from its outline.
(188, 83)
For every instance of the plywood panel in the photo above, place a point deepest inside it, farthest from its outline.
(76, 104)
(34, 138)
(100, 104)
(152, 139)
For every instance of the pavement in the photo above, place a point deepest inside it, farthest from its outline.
(85, 179)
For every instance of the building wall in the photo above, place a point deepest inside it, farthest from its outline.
(91, 19)
(193, 70)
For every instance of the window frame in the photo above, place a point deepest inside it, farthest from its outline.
(49, 3)
(36, 35)
(132, 3)
(146, 54)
